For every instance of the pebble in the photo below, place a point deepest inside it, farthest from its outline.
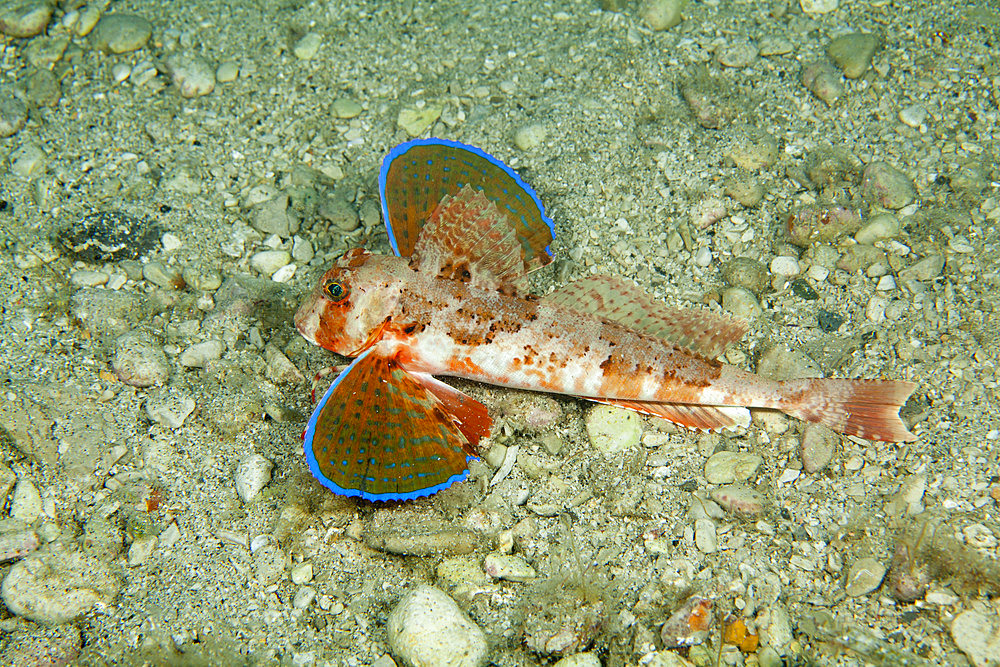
(120, 72)
(302, 250)
(162, 275)
(738, 53)
(886, 284)
(416, 121)
(227, 72)
(740, 500)
(269, 563)
(269, 261)
(303, 597)
(89, 17)
(776, 625)
(887, 186)
(307, 46)
(579, 660)
(346, 108)
(750, 274)
(746, 189)
(818, 6)
(200, 354)
(120, 33)
(758, 150)
(169, 406)
(27, 161)
(612, 430)
(138, 359)
(880, 227)
(86, 278)
(57, 585)
(741, 303)
(302, 573)
(202, 278)
(811, 224)
(191, 73)
(24, 18)
(928, 268)
(42, 88)
(818, 446)
(339, 213)
(705, 537)
(252, 474)
(272, 217)
(823, 81)
(864, 576)
(7, 480)
(703, 257)
(853, 53)
(280, 368)
(140, 550)
(26, 503)
(13, 113)
(428, 628)
(661, 14)
(530, 136)
(978, 637)
(914, 116)
(729, 467)
(785, 266)
(508, 567)
(776, 45)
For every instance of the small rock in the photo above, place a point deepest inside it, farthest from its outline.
(279, 367)
(269, 563)
(978, 637)
(880, 227)
(741, 303)
(86, 278)
(302, 573)
(818, 6)
(120, 33)
(252, 475)
(823, 81)
(887, 186)
(780, 363)
(272, 217)
(42, 88)
(875, 308)
(302, 250)
(530, 136)
(27, 161)
(914, 116)
(303, 597)
(508, 567)
(705, 537)
(729, 467)
(416, 120)
(227, 71)
(269, 261)
(201, 278)
(865, 576)
(13, 113)
(169, 406)
(776, 626)
(928, 268)
(26, 503)
(738, 53)
(192, 74)
(308, 46)
(339, 212)
(579, 660)
(345, 108)
(57, 585)
(200, 354)
(776, 45)
(817, 223)
(661, 14)
(162, 275)
(745, 272)
(24, 18)
(140, 550)
(740, 500)
(612, 430)
(428, 628)
(758, 150)
(139, 360)
(853, 53)
(819, 444)
(786, 267)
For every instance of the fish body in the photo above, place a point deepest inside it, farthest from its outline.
(454, 305)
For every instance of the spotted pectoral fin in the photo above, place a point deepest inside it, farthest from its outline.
(698, 330)
(380, 433)
(416, 175)
(701, 417)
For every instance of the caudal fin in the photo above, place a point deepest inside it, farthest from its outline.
(865, 408)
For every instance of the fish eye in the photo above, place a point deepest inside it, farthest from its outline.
(336, 291)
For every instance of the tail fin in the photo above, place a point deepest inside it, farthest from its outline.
(865, 408)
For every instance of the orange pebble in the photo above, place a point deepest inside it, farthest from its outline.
(736, 633)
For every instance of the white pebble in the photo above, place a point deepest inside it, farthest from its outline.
(26, 503)
(703, 257)
(530, 136)
(284, 274)
(302, 573)
(85, 278)
(252, 475)
(307, 47)
(269, 261)
(120, 72)
(875, 309)
(818, 273)
(199, 354)
(171, 242)
(785, 266)
(886, 283)
(428, 628)
(914, 116)
(818, 6)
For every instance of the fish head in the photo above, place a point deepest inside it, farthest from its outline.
(353, 301)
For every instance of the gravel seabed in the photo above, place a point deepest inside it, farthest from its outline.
(660, 163)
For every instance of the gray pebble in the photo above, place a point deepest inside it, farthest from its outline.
(530, 136)
(13, 113)
(200, 354)
(977, 636)
(140, 550)
(303, 597)
(853, 53)
(44, 52)
(345, 108)
(89, 17)
(169, 406)
(57, 585)
(269, 261)
(27, 161)
(914, 116)
(308, 46)
(42, 88)
(823, 81)
(120, 33)
(428, 628)
(162, 275)
(228, 71)
(302, 250)
(139, 360)
(581, 660)
(928, 268)
(729, 467)
(280, 368)
(87, 278)
(252, 475)
(887, 186)
(741, 303)
(339, 213)
(880, 227)
(271, 217)
(738, 53)
(819, 444)
(201, 278)
(24, 18)
(612, 430)
(508, 567)
(192, 74)
(661, 14)
(269, 563)
(705, 536)
(864, 576)
(776, 45)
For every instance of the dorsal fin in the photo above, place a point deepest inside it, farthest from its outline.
(467, 238)
(700, 331)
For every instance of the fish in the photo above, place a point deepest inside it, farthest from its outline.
(452, 301)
